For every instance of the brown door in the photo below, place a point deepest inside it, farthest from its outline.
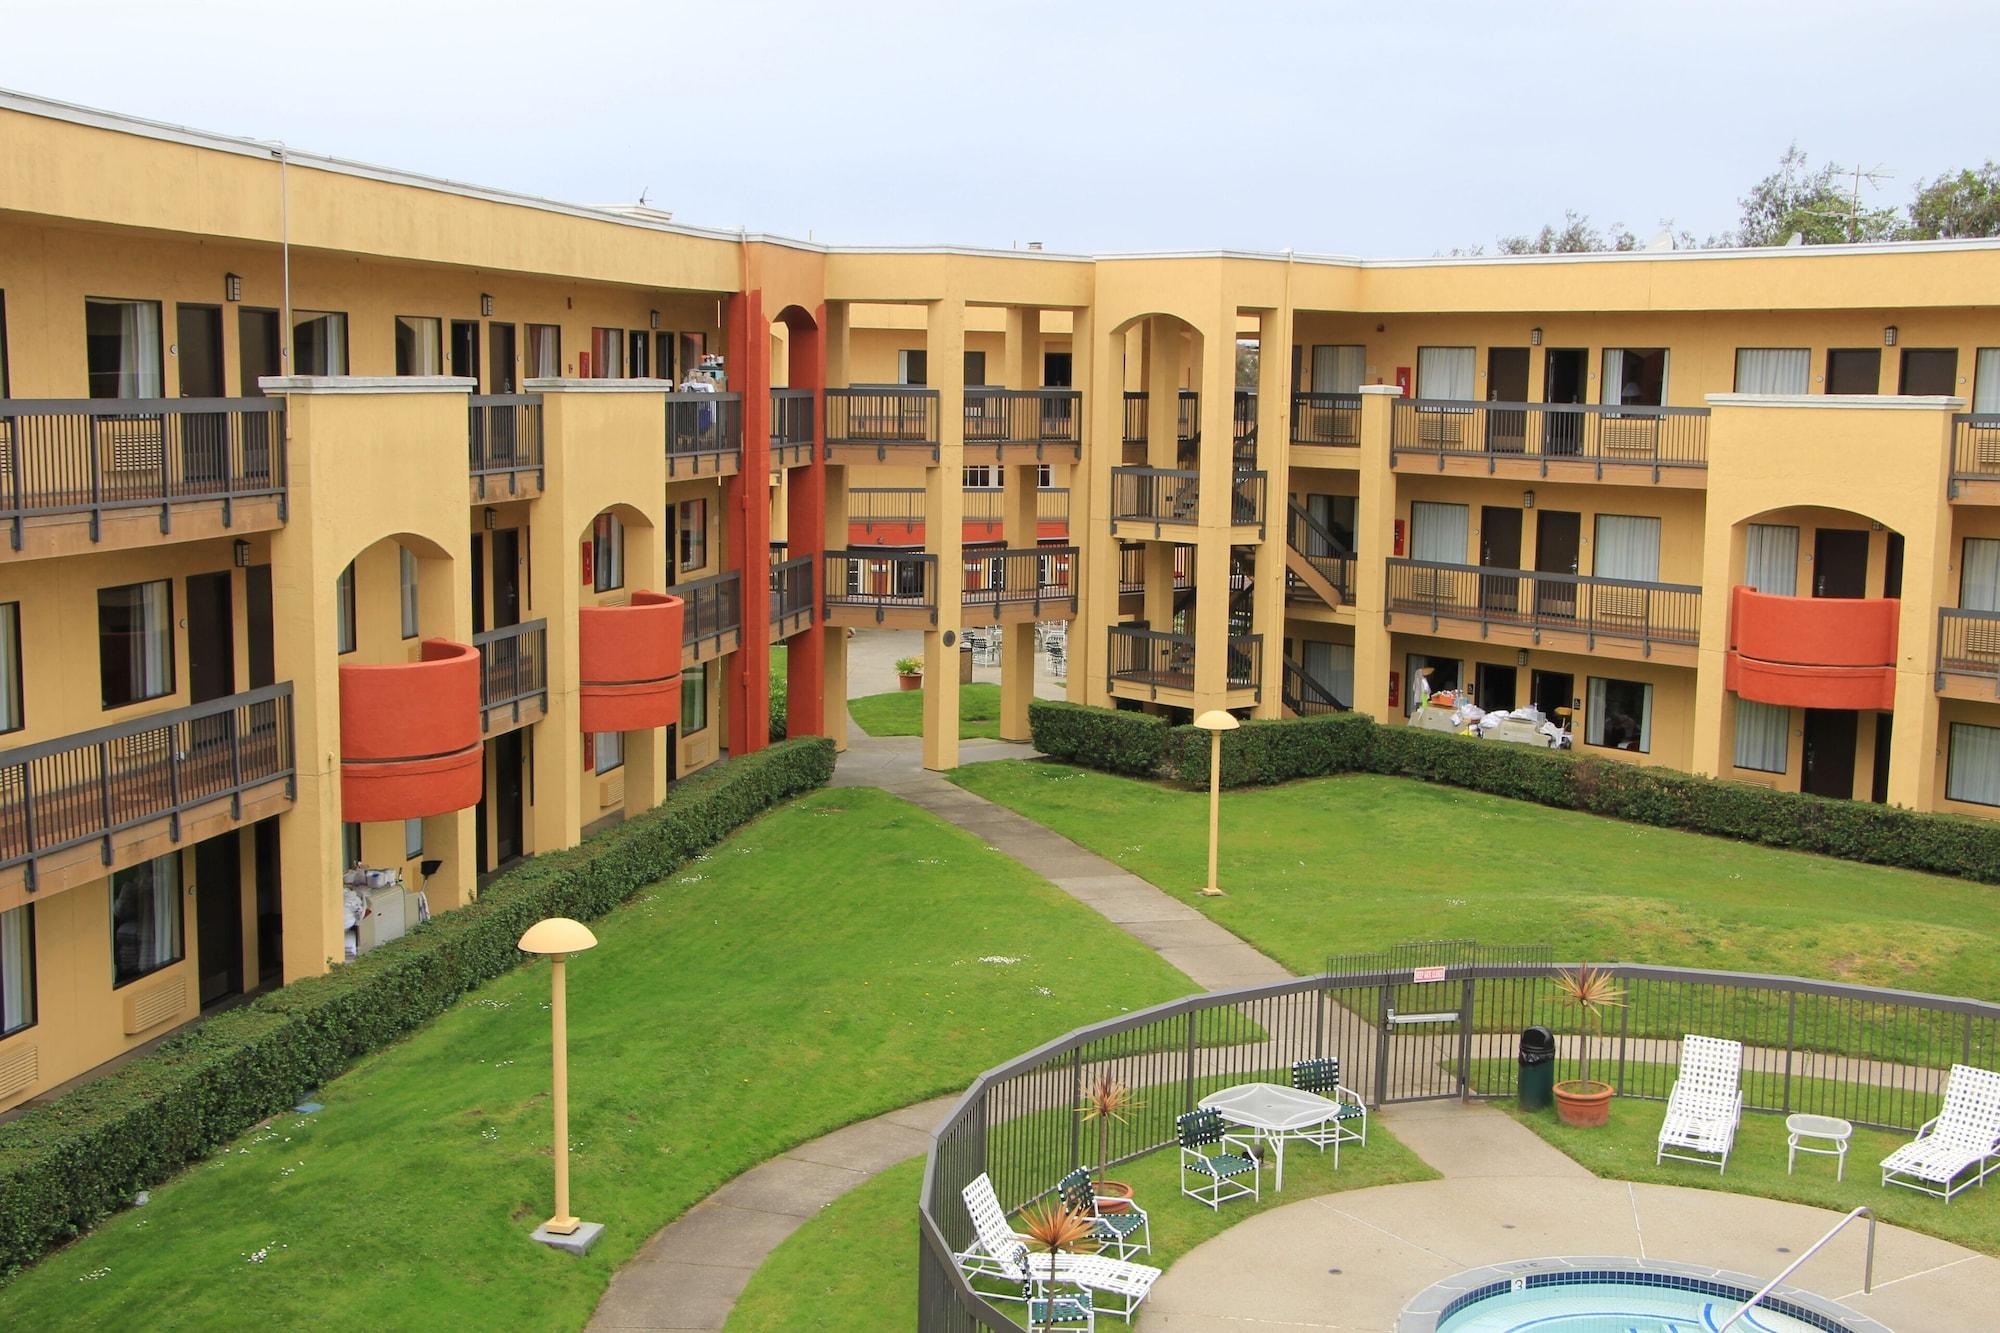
(1565, 379)
(506, 577)
(1500, 548)
(1840, 563)
(256, 348)
(1829, 761)
(211, 637)
(1496, 685)
(465, 350)
(1930, 371)
(258, 622)
(1854, 370)
(1553, 690)
(500, 358)
(1507, 382)
(204, 435)
(507, 817)
(219, 917)
(270, 905)
(1558, 534)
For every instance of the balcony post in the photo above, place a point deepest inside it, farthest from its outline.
(1018, 527)
(1214, 531)
(1274, 451)
(1374, 540)
(833, 642)
(944, 530)
(746, 506)
(1100, 424)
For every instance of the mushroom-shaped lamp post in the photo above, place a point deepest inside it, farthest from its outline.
(1215, 721)
(559, 937)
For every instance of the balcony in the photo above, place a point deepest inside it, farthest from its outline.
(1023, 425)
(894, 589)
(1975, 458)
(704, 435)
(504, 443)
(791, 597)
(1318, 566)
(629, 664)
(74, 808)
(409, 735)
(115, 474)
(1968, 656)
(1132, 569)
(1526, 608)
(1155, 666)
(1559, 441)
(1018, 587)
(712, 617)
(894, 515)
(986, 513)
(1145, 501)
(791, 427)
(1812, 652)
(1326, 421)
(1187, 424)
(882, 424)
(513, 676)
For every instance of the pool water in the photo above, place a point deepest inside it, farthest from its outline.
(1612, 1307)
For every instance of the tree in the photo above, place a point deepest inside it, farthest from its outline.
(1963, 205)
(1576, 236)
(1815, 204)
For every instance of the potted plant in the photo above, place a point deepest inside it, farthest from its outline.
(1105, 1101)
(1055, 1228)
(910, 672)
(1583, 1101)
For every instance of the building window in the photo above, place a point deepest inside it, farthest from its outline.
(979, 476)
(637, 358)
(1045, 475)
(1985, 379)
(1445, 372)
(3, 345)
(694, 702)
(1628, 547)
(692, 523)
(1429, 675)
(1763, 736)
(413, 839)
(1620, 715)
(1854, 370)
(1440, 533)
(10, 666)
(607, 553)
(1332, 665)
(135, 642)
(407, 562)
(350, 846)
(1771, 558)
(1634, 376)
(608, 747)
(607, 354)
(1338, 368)
(343, 610)
(975, 368)
(17, 969)
(1978, 576)
(1972, 773)
(913, 366)
(319, 342)
(145, 918)
(419, 345)
(545, 351)
(1773, 369)
(122, 348)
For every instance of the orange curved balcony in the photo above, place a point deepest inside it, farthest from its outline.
(409, 735)
(1813, 652)
(629, 664)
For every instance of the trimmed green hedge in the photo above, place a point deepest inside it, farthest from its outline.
(1114, 739)
(67, 1165)
(1263, 752)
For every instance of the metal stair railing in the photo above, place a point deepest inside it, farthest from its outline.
(1867, 1271)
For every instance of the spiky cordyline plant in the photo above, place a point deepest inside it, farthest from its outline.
(1592, 991)
(1055, 1227)
(1105, 1101)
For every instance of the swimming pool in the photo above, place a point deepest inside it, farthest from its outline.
(1616, 1296)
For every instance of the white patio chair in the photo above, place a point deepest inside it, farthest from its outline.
(1349, 1124)
(1963, 1136)
(1216, 1160)
(1001, 1253)
(1705, 1105)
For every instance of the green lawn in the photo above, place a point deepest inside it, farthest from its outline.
(842, 956)
(1348, 864)
(853, 1267)
(901, 712)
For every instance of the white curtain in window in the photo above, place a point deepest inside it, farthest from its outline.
(610, 747)
(409, 590)
(10, 659)
(1986, 380)
(1338, 369)
(1611, 384)
(1440, 532)
(1773, 369)
(1598, 731)
(1445, 372)
(1763, 736)
(1628, 547)
(158, 635)
(343, 610)
(138, 350)
(1979, 578)
(1332, 665)
(544, 352)
(17, 997)
(422, 337)
(1974, 768)
(1771, 558)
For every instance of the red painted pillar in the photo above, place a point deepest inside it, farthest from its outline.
(746, 505)
(805, 525)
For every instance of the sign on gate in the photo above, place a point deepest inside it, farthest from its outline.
(1427, 974)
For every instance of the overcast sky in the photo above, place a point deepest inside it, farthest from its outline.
(1379, 129)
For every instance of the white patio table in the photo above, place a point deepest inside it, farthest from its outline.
(1271, 1111)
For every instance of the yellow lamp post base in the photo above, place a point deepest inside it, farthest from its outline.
(562, 1226)
(1211, 892)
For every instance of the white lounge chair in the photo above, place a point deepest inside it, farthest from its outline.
(1964, 1136)
(998, 1251)
(1705, 1105)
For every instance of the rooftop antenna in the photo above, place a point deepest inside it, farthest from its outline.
(643, 193)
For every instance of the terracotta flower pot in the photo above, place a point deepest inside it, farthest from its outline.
(911, 680)
(1116, 1192)
(1585, 1103)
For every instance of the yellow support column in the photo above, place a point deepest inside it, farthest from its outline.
(944, 531)
(1214, 533)
(1274, 452)
(1374, 539)
(1021, 369)
(1095, 572)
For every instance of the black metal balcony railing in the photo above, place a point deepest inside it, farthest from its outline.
(1040, 578)
(1327, 419)
(792, 589)
(1187, 424)
(883, 416)
(513, 669)
(1132, 567)
(65, 456)
(1040, 417)
(1969, 645)
(1602, 434)
(504, 437)
(1322, 549)
(1160, 660)
(881, 581)
(1600, 608)
(704, 431)
(791, 420)
(1173, 496)
(873, 506)
(712, 609)
(1975, 446)
(988, 504)
(91, 786)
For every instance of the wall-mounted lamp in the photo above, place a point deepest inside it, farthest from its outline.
(232, 287)
(1889, 336)
(492, 518)
(653, 316)
(242, 554)
(1521, 657)
(1535, 336)
(1876, 526)
(486, 304)
(1527, 499)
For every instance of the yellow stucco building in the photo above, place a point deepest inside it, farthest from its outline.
(366, 532)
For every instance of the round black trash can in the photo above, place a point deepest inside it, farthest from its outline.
(1537, 1083)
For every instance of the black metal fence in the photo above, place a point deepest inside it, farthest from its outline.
(791, 425)
(1598, 608)
(1975, 446)
(90, 786)
(1159, 660)
(901, 506)
(1187, 422)
(875, 582)
(1332, 419)
(1050, 419)
(1969, 645)
(1434, 1021)
(503, 438)
(1041, 579)
(513, 669)
(712, 610)
(704, 432)
(1155, 495)
(1604, 434)
(64, 456)
(792, 594)
(884, 416)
